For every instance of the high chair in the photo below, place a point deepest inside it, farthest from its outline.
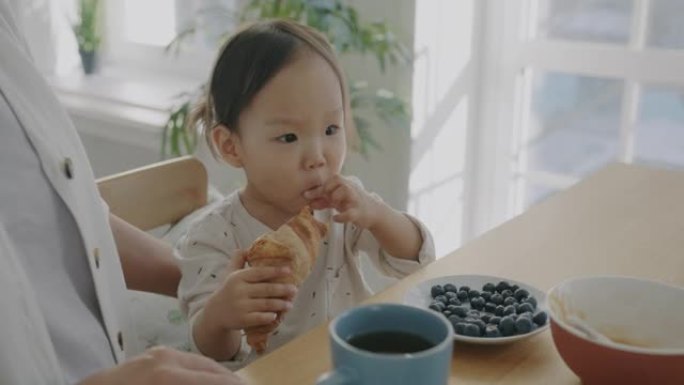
(157, 194)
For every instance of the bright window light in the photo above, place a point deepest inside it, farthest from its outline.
(151, 22)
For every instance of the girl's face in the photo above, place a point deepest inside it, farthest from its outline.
(291, 137)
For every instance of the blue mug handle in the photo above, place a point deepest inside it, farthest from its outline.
(337, 377)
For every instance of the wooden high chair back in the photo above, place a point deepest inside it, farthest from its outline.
(157, 194)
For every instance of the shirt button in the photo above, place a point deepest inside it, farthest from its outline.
(68, 168)
(96, 257)
(119, 338)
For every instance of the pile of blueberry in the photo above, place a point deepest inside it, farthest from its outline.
(498, 310)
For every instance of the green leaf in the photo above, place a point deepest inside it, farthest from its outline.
(87, 28)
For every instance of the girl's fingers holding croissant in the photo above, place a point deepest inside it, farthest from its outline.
(263, 273)
(257, 319)
(271, 290)
(269, 305)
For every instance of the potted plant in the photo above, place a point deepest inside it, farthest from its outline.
(87, 31)
(341, 23)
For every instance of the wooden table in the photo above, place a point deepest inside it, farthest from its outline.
(625, 220)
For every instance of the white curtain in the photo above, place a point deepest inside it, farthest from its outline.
(47, 27)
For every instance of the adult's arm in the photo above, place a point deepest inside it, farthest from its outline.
(148, 263)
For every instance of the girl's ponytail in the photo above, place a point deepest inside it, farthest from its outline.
(201, 119)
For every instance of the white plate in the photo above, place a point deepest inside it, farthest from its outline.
(420, 296)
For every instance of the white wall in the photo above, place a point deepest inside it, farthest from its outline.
(385, 172)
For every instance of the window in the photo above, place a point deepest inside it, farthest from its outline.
(534, 95)
(598, 81)
(442, 112)
(139, 31)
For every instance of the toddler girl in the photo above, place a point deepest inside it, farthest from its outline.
(277, 108)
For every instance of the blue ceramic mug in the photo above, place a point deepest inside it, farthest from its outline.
(389, 344)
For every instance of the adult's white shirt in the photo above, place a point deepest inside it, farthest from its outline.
(35, 347)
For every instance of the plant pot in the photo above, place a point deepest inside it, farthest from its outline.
(89, 61)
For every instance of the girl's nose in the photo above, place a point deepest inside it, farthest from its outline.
(316, 162)
(315, 158)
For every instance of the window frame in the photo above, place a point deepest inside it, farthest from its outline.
(511, 53)
(124, 56)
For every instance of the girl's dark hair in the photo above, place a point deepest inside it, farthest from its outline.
(251, 58)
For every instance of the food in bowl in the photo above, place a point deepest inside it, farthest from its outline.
(497, 310)
(619, 330)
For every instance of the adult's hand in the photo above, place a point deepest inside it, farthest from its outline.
(166, 366)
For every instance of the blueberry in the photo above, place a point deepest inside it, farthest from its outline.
(495, 320)
(462, 295)
(497, 299)
(451, 308)
(503, 285)
(477, 322)
(508, 310)
(450, 294)
(460, 311)
(441, 298)
(523, 325)
(540, 318)
(526, 314)
(460, 328)
(509, 301)
(532, 301)
(507, 326)
(449, 288)
(473, 313)
(526, 307)
(464, 288)
(506, 293)
(436, 290)
(489, 307)
(521, 294)
(489, 287)
(486, 295)
(481, 324)
(472, 330)
(455, 320)
(485, 317)
(473, 294)
(437, 306)
(477, 303)
(446, 313)
(454, 301)
(514, 288)
(499, 310)
(492, 331)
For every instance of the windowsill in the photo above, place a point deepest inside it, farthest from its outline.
(137, 102)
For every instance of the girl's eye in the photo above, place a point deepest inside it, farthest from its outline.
(331, 130)
(287, 138)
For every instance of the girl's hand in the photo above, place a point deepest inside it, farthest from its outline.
(352, 202)
(248, 297)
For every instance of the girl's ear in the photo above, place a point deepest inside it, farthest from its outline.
(227, 145)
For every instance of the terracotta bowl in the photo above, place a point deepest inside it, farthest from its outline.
(643, 321)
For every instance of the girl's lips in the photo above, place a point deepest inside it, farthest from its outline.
(312, 192)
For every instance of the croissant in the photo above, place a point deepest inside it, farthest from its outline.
(295, 245)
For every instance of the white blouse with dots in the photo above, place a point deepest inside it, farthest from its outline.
(334, 285)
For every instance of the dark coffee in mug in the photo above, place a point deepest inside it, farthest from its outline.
(390, 342)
